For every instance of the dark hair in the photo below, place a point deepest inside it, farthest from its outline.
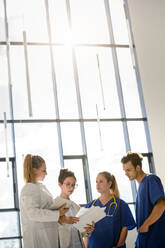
(31, 162)
(134, 158)
(111, 178)
(64, 173)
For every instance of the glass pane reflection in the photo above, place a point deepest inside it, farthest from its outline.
(3, 133)
(138, 141)
(105, 154)
(7, 196)
(4, 91)
(29, 16)
(92, 28)
(11, 243)
(9, 224)
(119, 22)
(97, 83)
(76, 166)
(71, 138)
(37, 139)
(2, 24)
(129, 83)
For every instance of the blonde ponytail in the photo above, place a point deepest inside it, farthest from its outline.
(31, 162)
(27, 165)
(114, 187)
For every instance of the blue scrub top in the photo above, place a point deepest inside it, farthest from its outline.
(149, 192)
(107, 231)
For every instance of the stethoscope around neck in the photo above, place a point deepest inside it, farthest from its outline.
(111, 205)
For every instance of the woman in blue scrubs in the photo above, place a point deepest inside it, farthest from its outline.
(111, 231)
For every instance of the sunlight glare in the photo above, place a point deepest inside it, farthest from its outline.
(69, 42)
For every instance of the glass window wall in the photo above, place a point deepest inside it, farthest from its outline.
(70, 92)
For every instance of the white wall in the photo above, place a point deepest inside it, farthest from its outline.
(148, 24)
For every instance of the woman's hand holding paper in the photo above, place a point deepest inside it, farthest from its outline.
(71, 219)
(89, 228)
(63, 210)
(68, 219)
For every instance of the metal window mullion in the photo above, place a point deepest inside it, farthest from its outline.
(10, 97)
(76, 78)
(8, 210)
(74, 156)
(82, 129)
(83, 159)
(20, 43)
(101, 82)
(138, 79)
(119, 89)
(99, 129)
(133, 50)
(9, 238)
(27, 75)
(6, 143)
(15, 181)
(86, 182)
(117, 75)
(54, 85)
(151, 162)
(72, 120)
(14, 185)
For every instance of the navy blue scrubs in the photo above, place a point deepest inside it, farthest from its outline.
(149, 192)
(107, 231)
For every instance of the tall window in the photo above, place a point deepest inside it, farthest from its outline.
(70, 91)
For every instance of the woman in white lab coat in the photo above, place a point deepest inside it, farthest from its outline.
(39, 223)
(69, 236)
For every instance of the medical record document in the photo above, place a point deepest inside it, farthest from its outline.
(87, 215)
(59, 201)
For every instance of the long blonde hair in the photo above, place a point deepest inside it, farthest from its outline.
(31, 162)
(111, 178)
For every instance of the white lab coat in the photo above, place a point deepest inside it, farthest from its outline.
(65, 231)
(39, 224)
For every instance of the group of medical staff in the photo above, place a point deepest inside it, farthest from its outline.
(46, 228)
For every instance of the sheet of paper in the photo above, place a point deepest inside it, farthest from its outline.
(58, 202)
(87, 215)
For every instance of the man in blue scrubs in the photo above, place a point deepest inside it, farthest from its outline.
(150, 203)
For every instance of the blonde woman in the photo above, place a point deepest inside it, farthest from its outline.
(39, 223)
(111, 231)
